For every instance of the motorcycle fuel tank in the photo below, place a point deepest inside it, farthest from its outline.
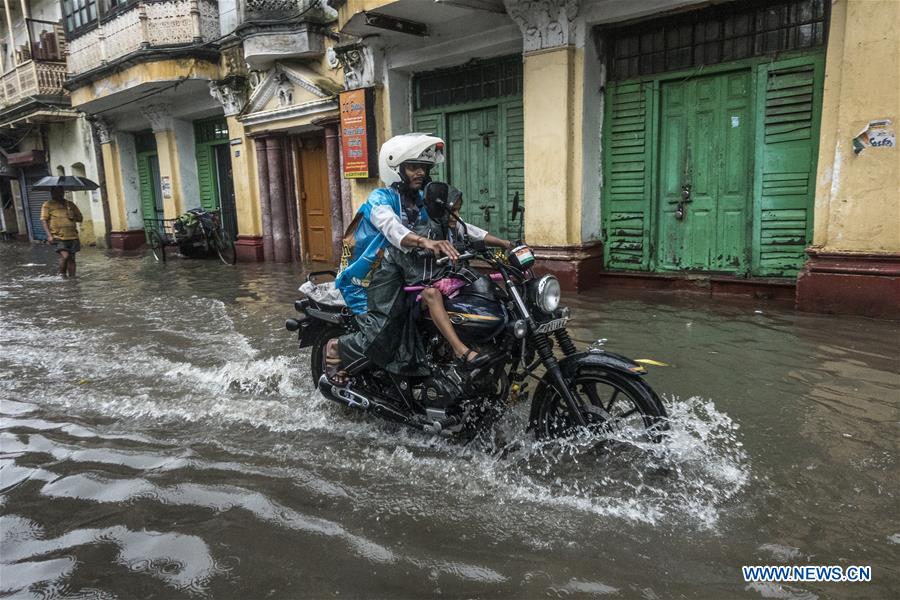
(475, 312)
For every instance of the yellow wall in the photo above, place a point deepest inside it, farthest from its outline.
(167, 150)
(553, 83)
(163, 70)
(246, 180)
(361, 188)
(858, 196)
(114, 191)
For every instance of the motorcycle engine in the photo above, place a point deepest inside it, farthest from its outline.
(443, 389)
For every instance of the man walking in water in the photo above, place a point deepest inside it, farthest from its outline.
(59, 217)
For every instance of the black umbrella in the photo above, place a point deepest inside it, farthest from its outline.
(65, 182)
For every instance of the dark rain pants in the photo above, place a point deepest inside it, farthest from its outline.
(388, 336)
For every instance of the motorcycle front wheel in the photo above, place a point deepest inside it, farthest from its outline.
(615, 402)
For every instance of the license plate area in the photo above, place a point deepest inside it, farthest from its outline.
(553, 325)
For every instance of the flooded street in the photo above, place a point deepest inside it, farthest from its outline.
(161, 438)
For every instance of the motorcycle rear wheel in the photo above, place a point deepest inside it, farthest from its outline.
(629, 401)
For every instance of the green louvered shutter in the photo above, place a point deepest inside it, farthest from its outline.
(514, 163)
(209, 199)
(145, 180)
(626, 188)
(787, 140)
(434, 125)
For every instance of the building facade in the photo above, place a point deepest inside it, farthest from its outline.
(658, 143)
(141, 71)
(40, 133)
(228, 106)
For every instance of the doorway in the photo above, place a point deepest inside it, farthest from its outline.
(225, 189)
(474, 168)
(315, 199)
(705, 174)
(149, 181)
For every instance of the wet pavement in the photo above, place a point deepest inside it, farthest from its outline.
(160, 438)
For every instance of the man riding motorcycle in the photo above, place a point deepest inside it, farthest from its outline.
(393, 221)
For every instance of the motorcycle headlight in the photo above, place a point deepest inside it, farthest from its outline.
(547, 294)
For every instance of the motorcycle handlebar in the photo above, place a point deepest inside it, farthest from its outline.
(464, 256)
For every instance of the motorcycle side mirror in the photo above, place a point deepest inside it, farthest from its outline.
(516, 207)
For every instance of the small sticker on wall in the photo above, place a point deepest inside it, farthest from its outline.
(165, 185)
(735, 121)
(878, 134)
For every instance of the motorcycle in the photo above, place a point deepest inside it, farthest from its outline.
(514, 314)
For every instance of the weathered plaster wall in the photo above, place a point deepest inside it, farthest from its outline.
(591, 126)
(70, 145)
(858, 196)
(127, 175)
(187, 163)
(553, 96)
(246, 180)
(159, 71)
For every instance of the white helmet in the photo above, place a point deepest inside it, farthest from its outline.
(409, 147)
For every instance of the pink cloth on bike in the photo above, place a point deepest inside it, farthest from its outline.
(448, 286)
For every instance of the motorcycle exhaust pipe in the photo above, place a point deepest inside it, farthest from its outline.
(347, 397)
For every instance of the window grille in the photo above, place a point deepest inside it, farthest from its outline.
(144, 141)
(472, 82)
(718, 34)
(210, 130)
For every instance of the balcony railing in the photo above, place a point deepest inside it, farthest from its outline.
(144, 25)
(32, 78)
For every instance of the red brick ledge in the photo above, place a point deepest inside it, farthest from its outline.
(127, 240)
(249, 248)
(855, 283)
(573, 265)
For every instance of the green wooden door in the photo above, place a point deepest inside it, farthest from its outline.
(149, 186)
(473, 145)
(704, 183)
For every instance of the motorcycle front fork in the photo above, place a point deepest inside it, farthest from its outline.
(545, 352)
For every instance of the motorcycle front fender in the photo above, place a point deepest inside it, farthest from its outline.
(570, 365)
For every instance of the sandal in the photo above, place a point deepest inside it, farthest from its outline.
(481, 359)
(332, 366)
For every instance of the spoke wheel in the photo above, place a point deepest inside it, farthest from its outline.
(155, 241)
(615, 403)
(224, 247)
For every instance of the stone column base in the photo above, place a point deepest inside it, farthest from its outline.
(850, 283)
(127, 240)
(249, 248)
(576, 266)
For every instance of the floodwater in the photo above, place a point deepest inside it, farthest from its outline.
(160, 438)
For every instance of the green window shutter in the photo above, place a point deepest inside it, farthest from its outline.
(145, 181)
(787, 140)
(434, 125)
(626, 188)
(206, 176)
(514, 161)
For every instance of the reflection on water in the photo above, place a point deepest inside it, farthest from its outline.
(160, 437)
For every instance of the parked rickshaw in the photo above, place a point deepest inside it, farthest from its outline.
(197, 233)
